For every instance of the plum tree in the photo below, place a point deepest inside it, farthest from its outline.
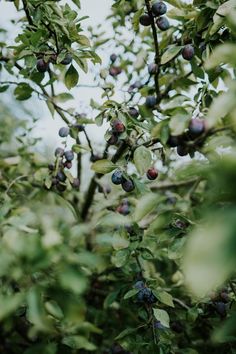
(94, 239)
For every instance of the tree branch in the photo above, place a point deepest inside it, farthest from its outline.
(29, 19)
(156, 45)
(167, 185)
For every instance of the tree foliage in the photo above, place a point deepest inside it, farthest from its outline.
(141, 257)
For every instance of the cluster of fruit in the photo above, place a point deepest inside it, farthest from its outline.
(63, 161)
(43, 65)
(118, 177)
(117, 128)
(186, 142)
(158, 10)
(127, 183)
(219, 302)
(145, 295)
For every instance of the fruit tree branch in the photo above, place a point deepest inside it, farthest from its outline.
(156, 45)
(89, 196)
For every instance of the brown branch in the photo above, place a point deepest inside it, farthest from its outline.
(156, 45)
(27, 13)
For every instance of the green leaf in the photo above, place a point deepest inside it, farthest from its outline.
(179, 123)
(63, 97)
(103, 166)
(120, 258)
(3, 88)
(142, 159)
(36, 312)
(209, 257)
(225, 53)
(135, 20)
(71, 77)
(54, 309)
(164, 297)
(71, 279)
(23, 91)
(131, 293)
(77, 3)
(126, 333)
(9, 304)
(162, 316)
(145, 205)
(78, 342)
(170, 54)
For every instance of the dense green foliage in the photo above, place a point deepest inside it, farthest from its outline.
(141, 258)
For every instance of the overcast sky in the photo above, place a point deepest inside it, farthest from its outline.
(47, 127)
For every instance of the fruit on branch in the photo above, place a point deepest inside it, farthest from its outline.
(145, 20)
(158, 325)
(220, 308)
(127, 185)
(67, 60)
(139, 285)
(117, 177)
(188, 52)
(59, 152)
(80, 127)
(133, 112)
(42, 66)
(163, 23)
(76, 183)
(146, 295)
(152, 173)
(182, 150)
(68, 164)
(153, 68)
(151, 101)
(173, 141)
(51, 167)
(53, 58)
(69, 155)
(123, 209)
(64, 132)
(61, 176)
(113, 57)
(196, 127)
(118, 126)
(61, 187)
(224, 296)
(159, 8)
(115, 71)
(113, 140)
